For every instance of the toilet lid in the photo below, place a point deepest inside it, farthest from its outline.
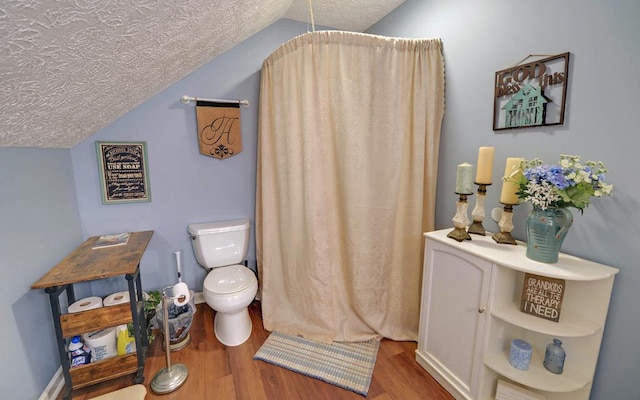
(230, 279)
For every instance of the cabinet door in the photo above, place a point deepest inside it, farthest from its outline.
(452, 322)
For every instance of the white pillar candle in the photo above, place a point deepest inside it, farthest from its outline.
(464, 179)
(485, 165)
(510, 189)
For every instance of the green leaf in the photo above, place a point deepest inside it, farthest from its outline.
(579, 196)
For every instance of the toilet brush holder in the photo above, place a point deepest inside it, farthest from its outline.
(172, 377)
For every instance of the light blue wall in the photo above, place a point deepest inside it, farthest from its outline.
(186, 187)
(482, 37)
(39, 226)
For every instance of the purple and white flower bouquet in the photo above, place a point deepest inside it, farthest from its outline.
(570, 183)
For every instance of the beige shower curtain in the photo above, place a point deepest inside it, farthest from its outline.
(347, 162)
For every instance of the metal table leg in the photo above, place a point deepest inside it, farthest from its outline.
(54, 293)
(139, 331)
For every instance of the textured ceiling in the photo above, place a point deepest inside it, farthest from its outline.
(70, 67)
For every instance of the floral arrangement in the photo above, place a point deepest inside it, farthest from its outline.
(571, 183)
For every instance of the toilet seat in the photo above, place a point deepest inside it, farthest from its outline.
(229, 280)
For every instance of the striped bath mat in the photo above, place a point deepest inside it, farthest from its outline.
(346, 365)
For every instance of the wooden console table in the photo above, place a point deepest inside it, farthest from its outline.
(85, 264)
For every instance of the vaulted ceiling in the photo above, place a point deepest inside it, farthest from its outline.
(69, 68)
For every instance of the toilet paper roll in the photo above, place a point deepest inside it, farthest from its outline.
(181, 294)
(102, 344)
(88, 303)
(116, 298)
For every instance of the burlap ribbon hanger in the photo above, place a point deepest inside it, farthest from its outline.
(219, 131)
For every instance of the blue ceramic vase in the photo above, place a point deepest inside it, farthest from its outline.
(554, 357)
(546, 230)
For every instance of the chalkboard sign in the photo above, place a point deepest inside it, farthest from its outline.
(542, 296)
(123, 172)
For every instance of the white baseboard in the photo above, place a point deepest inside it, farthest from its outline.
(198, 298)
(55, 386)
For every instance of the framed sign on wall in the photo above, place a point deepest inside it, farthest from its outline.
(531, 94)
(123, 172)
(542, 296)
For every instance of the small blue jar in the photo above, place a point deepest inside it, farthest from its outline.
(554, 357)
(520, 354)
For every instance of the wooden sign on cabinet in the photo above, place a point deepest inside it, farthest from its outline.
(542, 296)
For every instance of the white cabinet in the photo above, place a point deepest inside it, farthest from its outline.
(470, 312)
(455, 293)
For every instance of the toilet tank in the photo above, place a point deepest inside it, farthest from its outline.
(222, 243)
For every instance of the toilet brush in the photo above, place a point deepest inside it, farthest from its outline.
(171, 377)
(177, 253)
(179, 268)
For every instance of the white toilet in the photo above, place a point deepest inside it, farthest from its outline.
(229, 287)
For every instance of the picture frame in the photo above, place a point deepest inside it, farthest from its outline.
(542, 296)
(533, 94)
(123, 170)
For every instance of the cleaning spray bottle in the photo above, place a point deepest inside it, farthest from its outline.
(79, 353)
(125, 342)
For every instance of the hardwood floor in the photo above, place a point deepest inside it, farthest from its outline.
(230, 373)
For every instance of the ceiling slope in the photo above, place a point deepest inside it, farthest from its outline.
(346, 15)
(69, 68)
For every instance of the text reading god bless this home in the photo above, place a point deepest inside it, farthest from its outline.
(510, 81)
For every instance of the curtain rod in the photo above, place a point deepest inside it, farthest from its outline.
(186, 99)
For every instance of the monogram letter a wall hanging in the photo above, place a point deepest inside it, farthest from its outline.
(219, 132)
